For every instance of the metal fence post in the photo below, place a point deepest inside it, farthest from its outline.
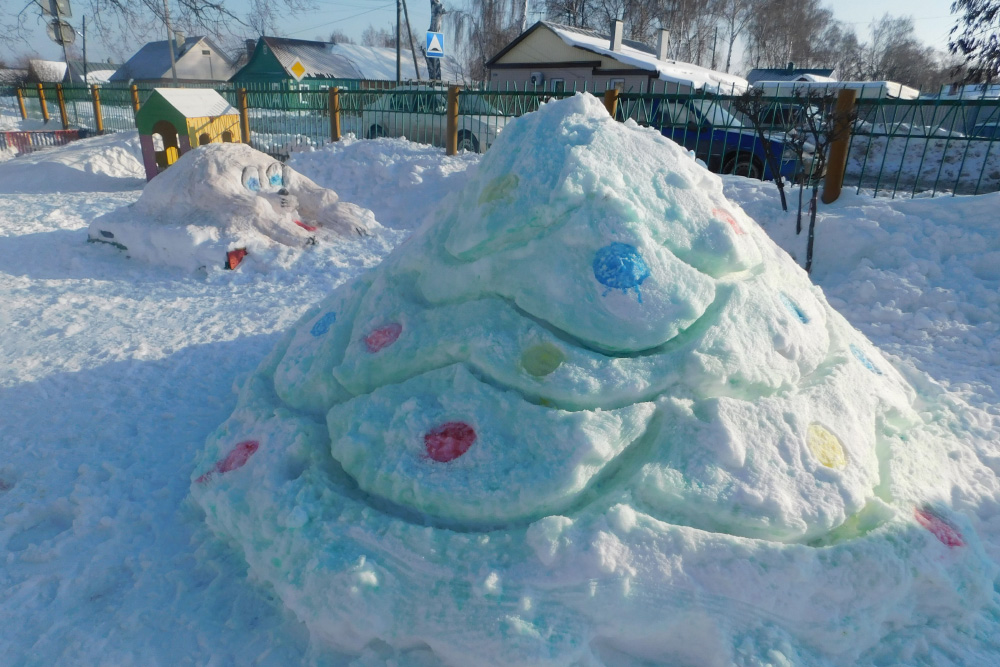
(451, 135)
(20, 103)
(41, 100)
(611, 101)
(135, 98)
(61, 98)
(837, 162)
(335, 114)
(98, 118)
(241, 97)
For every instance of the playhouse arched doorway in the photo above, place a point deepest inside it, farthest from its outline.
(168, 135)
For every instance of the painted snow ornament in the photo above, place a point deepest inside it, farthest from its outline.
(504, 465)
(220, 203)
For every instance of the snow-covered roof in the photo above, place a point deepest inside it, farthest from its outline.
(327, 60)
(152, 62)
(644, 57)
(380, 63)
(317, 58)
(866, 89)
(47, 71)
(197, 102)
(789, 74)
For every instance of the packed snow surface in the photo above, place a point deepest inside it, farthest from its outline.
(646, 542)
(226, 197)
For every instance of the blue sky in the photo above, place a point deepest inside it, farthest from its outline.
(932, 21)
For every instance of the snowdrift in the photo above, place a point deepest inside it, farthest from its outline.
(224, 198)
(590, 413)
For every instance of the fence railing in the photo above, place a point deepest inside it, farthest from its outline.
(922, 147)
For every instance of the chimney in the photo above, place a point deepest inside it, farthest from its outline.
(791, 67)
(250, 45)
(663, 44)
(616, 35)
(178, 41)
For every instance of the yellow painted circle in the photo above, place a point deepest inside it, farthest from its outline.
(825, 447)
(542, 359)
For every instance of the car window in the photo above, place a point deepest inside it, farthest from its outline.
(431, 103)
(401, 103)
(675, 113)
(714, 114)
(475, 104)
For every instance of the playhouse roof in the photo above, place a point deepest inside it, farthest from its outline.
(179, 104)
(196, 102)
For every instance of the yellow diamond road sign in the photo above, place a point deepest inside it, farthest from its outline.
(297, 69)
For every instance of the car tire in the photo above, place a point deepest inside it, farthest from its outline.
(467, 142)
(742, 164)
(376, 131)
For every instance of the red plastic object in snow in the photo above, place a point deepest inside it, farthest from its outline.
(236, 458)
(308, 228)
(234, 257)
(941, 528)
(449, 441)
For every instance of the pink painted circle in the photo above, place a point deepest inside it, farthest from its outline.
(449, 441)
(383, 337)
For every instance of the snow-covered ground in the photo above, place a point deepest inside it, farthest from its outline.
(113, 373)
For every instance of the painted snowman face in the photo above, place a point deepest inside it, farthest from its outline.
(218, 197)
(566, 406)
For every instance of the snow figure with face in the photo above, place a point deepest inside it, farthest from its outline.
(591, 415)
(222, 197)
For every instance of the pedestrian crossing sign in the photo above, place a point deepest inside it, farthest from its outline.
(435, 45)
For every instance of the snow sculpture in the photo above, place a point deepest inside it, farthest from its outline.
(220, 198)
(491, 448)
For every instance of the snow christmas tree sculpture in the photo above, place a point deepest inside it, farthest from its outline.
(590, 413)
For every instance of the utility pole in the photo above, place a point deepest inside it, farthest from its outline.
(409, 33)
(170, 40)
(399, 19)
(434, 64)
(84, 50)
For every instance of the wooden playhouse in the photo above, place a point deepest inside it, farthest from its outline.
(178, 119)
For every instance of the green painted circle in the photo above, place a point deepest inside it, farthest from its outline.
(542, 359)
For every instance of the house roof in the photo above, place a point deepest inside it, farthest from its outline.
(789, 74)
(637, 55)
(316, 57)
(152, 61)
(327, 60)
(196, 102)
(96, 72)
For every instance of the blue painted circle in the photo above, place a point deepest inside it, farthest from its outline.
(323, 324)
(620, 266)
(863, 358)
(794, 308)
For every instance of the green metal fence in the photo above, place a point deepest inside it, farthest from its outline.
(922, 147)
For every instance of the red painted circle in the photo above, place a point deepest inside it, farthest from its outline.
(724, 215)
(939, 526)
(383, 337)
(236, 458)
(449, 441)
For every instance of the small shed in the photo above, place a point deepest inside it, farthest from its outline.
(174, 119)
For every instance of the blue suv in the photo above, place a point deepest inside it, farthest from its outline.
(723, 142)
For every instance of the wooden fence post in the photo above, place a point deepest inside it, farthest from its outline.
(98, 118)
(41, 100)
(451, 132)
(335, 114)
(837, 162)
(20, 103)
(135, 98)
(241, 97)
(61, 98)
(611, 101)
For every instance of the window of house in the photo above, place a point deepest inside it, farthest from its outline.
(616, 84)
(558, 85)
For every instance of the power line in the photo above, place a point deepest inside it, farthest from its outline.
(346, 18)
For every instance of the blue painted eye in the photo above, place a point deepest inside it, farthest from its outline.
(274, 176)
(251, 179)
